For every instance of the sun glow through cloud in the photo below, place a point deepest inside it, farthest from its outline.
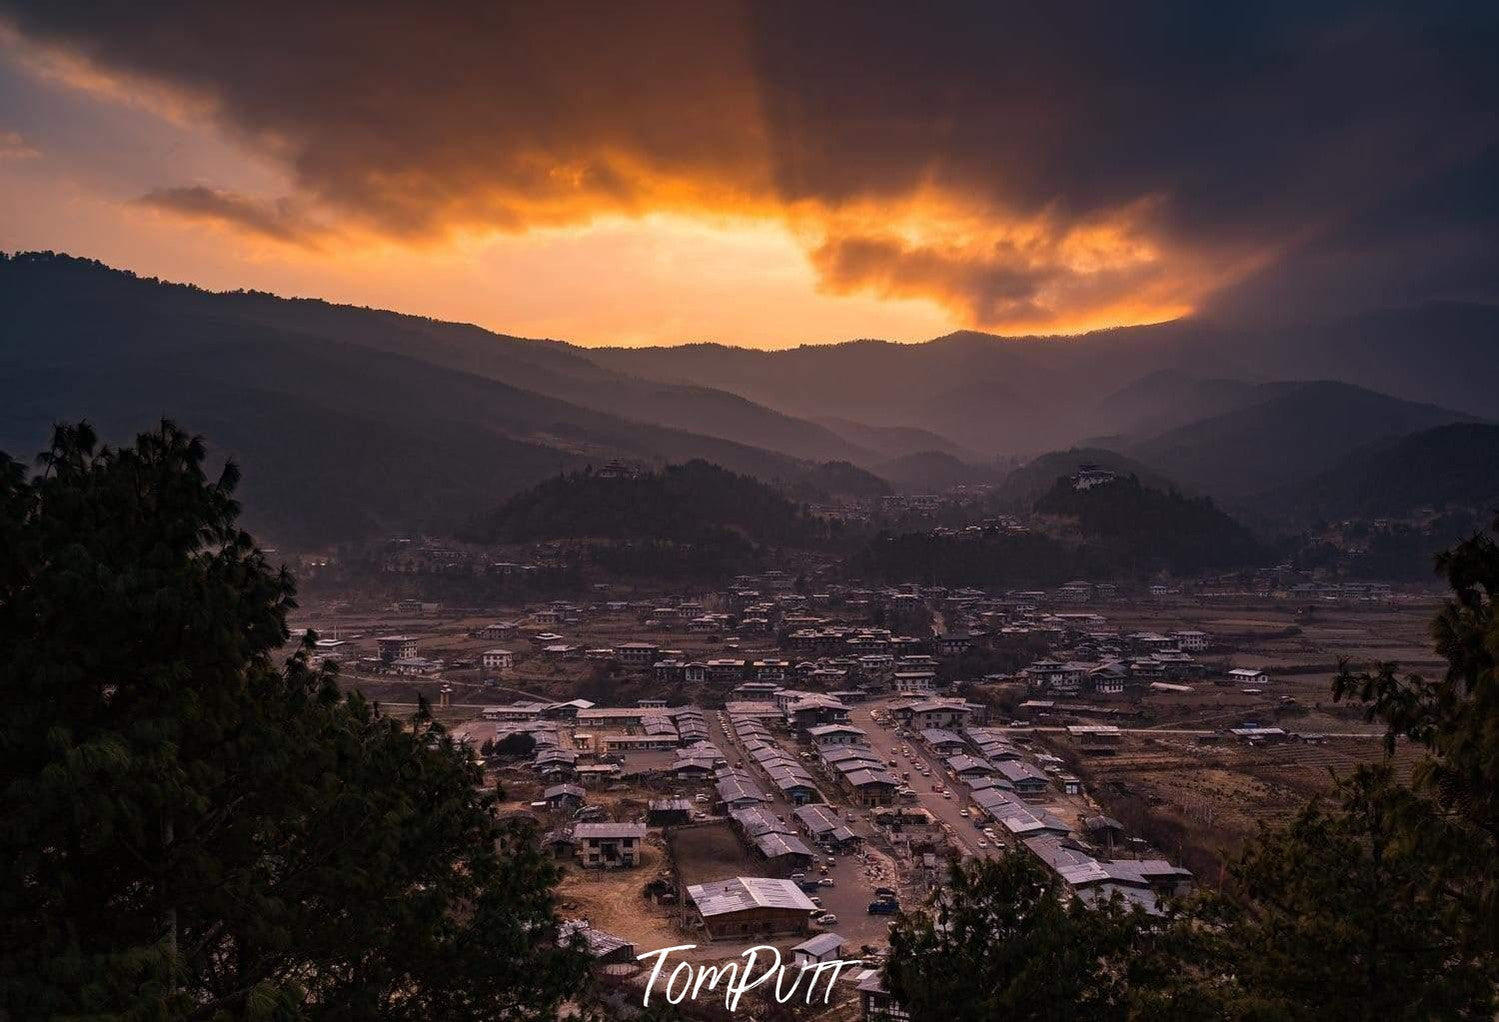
(681, 172)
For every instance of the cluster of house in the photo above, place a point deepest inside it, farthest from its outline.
(774, 839)
(424, 556)
(871, 658)
(1005, 789)
(839, 747)
(1105, 663)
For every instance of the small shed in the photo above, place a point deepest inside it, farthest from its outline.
(668, 812)
(564, 796)
(824, 947)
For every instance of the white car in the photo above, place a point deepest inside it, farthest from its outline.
(798, 876)
(701, 798)
(826, 881)
(963, 812)
(816, 901)
(983, 844)
(828, 919)
(947, 794)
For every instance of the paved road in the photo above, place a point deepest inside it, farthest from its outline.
(946, 810)
(852, 890)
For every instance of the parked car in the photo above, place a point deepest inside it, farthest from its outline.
(700, 798)
(816, 901)
(983, 843)
(826, 881)
(964, 812)
(989, 833)
(798, 876)
(828, 919)
(884, 908)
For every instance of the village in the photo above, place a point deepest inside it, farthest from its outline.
(795, 768)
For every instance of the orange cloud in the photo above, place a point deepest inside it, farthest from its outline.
(1025, 169)
(13, 146)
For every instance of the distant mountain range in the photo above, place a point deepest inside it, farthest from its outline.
(1288, 432)
(1453, 466)
(352, 420)
(1026, 395)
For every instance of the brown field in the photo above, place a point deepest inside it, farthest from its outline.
(1200, 802)
(612, 901)
(710, 852)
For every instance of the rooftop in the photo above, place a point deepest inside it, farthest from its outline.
(608, 831)
(743, 893)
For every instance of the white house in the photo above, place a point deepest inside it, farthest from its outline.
(825, 947)
(497, 659)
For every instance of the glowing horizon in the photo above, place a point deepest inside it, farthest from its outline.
(691, 174)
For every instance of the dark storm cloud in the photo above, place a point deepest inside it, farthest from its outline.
(1023, 164)
(279, 221)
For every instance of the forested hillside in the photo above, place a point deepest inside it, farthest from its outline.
(1140, 529)
(678, 503)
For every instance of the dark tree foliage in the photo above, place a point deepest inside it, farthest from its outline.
(997, 559)
(1002, 940)
(1142, 530)
(1340, 914)
(194, 825)
(710, 554)
(834, 478)
(1122, 529)
(1455, 718)
(677, 503)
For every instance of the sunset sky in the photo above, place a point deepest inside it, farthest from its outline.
(765, 174)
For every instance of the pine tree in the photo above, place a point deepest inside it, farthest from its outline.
(1340, 915)
(1455, 718)
(195, 823)
(1003, 939)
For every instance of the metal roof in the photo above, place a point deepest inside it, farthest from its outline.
(773, 845)
(859, 778)
(743, 893)
(606, 831)
(820, 945)
(834, 729)
(598, 942)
